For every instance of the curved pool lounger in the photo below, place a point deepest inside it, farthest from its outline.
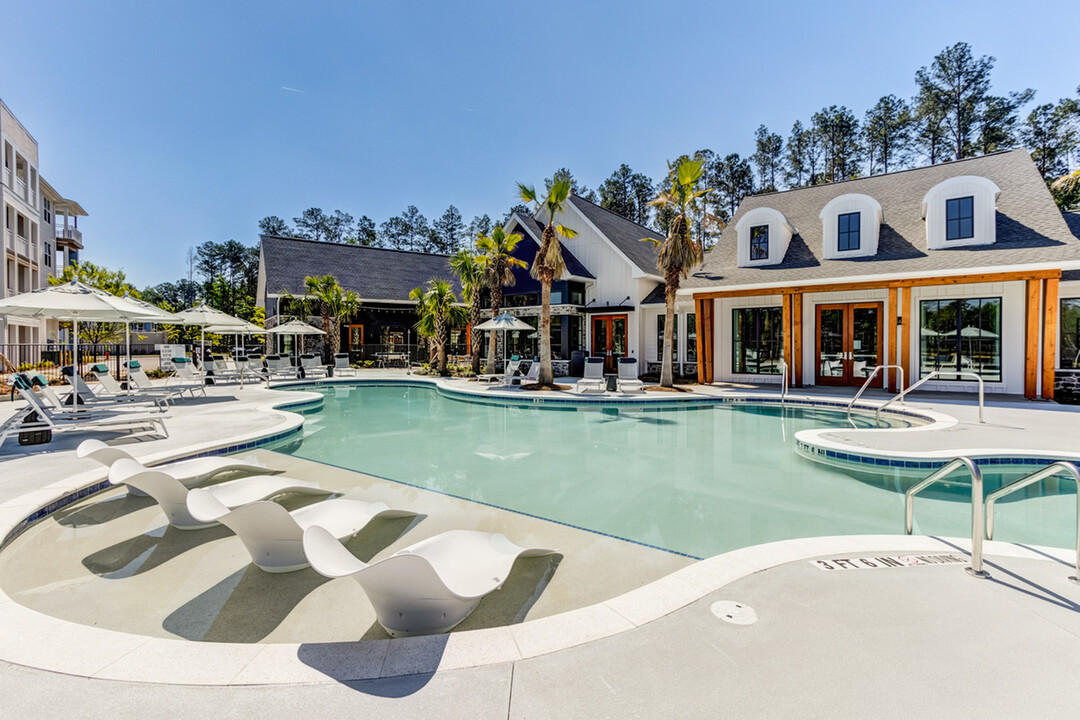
(190, 473)
(172, 496)
(428, 587)
(274, 536)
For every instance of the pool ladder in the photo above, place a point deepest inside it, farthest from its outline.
(866, 384)
(984, 517)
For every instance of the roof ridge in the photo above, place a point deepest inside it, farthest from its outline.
(347, 245)
(615, 214)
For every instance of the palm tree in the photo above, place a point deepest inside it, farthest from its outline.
(469, 269)
(334, 303)
(1066, 185)
(497, 265)
(549, 262)
(438, 312)
(678, 253)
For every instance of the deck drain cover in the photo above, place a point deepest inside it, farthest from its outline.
(733, 612)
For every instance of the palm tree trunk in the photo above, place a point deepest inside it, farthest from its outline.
(474, 319)
(496, 306)
(547, 377)
(671, 287)
(440, 343)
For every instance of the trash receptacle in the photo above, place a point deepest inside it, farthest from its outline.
(577, 363)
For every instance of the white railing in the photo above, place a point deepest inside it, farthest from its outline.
(9, 237)
(24, 245)
(20, 188)
(7, 176)
(69, 233)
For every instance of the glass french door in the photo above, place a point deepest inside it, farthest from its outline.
(609, 339)
(849, 343)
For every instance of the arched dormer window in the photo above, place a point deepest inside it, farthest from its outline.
(850, 225)
(961, 211)
(764, 235)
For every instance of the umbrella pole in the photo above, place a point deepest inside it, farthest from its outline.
(75, 358)
(127, 359)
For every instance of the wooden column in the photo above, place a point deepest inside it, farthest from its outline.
(786, 321)
(797, 332)
(907, 322)
(890, 334)
(710, 339)
(1031, 346)
(1049, 348)
(699, 321)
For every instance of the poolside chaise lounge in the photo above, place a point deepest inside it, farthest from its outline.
(341, 365)
(428, 587)
(280, 366)
(187, 376)
(531, 377)
(274, 536)
(594, 381)
(311, 366)
(104, 398)
(172, 496)
(113, 389)
(138, 379)
(628, 381)
(189, 473)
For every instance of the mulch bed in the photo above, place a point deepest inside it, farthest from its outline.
(545, 388)
(657, 388)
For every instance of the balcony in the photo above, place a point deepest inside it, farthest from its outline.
(69, 237)
(20, 189)
(23, 246)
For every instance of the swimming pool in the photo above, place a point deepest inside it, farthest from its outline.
(696, 479)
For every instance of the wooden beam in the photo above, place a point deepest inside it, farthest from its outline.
(890, 335)
(1049, 348)
(699, 321)
(797, 332)
(1031, 346)
(710, 334)
(906, 321)
(786, 320)
(880, 284)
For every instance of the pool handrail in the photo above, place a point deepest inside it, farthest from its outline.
(976, 567)
(931, 376)
(783, 381)
(1061, 467)
(869, 380)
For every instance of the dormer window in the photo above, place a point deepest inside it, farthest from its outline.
(960, 218)
(847, 231)
(759, 242)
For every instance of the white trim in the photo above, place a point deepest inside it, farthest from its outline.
(636, 271)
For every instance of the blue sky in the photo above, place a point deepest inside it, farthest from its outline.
(178, 123)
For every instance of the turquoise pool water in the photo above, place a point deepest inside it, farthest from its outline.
(698, 480)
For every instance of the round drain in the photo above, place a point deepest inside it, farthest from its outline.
(733, 612)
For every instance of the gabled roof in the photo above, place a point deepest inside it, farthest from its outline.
(530, 245)
(624, 234)
(1030, 228)
(373, 273)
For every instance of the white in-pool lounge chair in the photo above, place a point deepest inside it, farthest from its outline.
(274, 536)
(342, 367)
(594, 381)
(428, 587)
(190, 472)
(628, 381)
(172, 496)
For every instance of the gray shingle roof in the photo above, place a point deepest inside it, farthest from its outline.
(624, 234)
(1030, 229)
(373, 273)
(530, 245)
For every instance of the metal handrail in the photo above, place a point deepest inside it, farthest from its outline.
(976, 568)
(1067, 468)
(931, 376)
(870, 379)
(783, 380)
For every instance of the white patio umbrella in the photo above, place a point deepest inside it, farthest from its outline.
(504, 322)
(74, 302)
(236, 331)
(295, 328)
(154, 315)
(204, 315)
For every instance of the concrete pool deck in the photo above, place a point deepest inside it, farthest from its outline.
(855, 642)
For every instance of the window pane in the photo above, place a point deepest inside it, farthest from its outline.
(759, 242)
(757, 335)
(691, 337)
(1070, 333)
(660, 339)
(961, 336)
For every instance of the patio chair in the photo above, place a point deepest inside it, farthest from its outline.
(222, 373)
(172, 496)
(88, 399)
(279, 366)
(428, 587)
(187, 377)
(189, 473)
(114, 390)
(342, 367)
(594, 381)
(311, 367)
(628, 381)
(510, 370)
(138, 380)
(531, 377)
(274, 536)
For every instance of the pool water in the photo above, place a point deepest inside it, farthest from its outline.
(697, 479)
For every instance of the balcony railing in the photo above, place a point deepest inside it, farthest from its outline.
(9, 239)
(69, 233)
(20, 188)
(24, 246)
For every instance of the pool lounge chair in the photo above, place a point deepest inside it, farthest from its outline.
(189, 473)
(628, 381)
(312, 367)
(113, 388)
(138, 380)
(172, 496)
(90, 404)
(510, 370)
(594, 380)
(530, 378)
(342, 367)
(274, 536)
(187, 377)
(279, 366)
(103, 397)
(428, 587)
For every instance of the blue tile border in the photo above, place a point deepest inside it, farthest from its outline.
(855, 461)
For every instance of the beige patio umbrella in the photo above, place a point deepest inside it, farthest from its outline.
(295, 328)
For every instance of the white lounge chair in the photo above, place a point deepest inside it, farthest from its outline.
(103, 398)
(186, 376)
(312, 367)
(342, 367)
(274, 536)
(172, 496)
(428, 587)
(245, 369)
(510, 370)
(280, 366)
(113, 389)
(594, 381)
(138, 379)
(190, 472)
(628, 381)
(531, 377)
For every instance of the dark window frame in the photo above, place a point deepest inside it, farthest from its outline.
(759, 242)
(660, 338)
(960, 218)
(845, 231)
(1069, 351)
(957, 350)
(767, 343)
